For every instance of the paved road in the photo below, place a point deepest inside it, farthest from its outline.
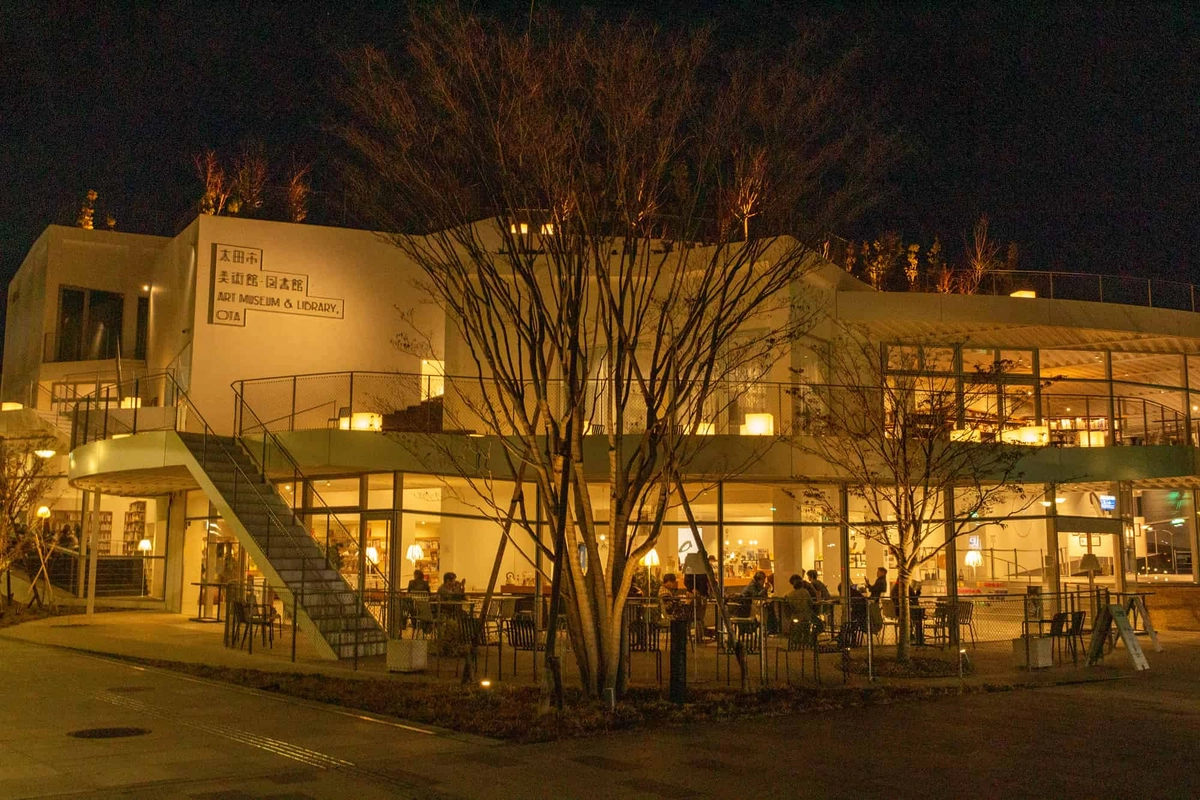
(1138, 736)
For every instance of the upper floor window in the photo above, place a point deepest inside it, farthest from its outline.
(89, 324)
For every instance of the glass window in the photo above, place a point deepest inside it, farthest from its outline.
(89, 324)
(102, 329)
(70, 324)
(1153, 368)
(1017, 362)
(379, 490)
(975, 359)
(1072, 364)
(903, 358)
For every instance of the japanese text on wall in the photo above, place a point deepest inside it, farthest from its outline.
(241, 283)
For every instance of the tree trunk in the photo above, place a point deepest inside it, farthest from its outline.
(903, 612)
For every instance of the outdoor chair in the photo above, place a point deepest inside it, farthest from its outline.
(422, 616)
(941, 622)
(802, 638)
(747, 633)
(966, 618)
(522, 636)
(1060, 632)
(847, 636)
(474, 634)
(883, 616)
(1075, 634)
(645, 636)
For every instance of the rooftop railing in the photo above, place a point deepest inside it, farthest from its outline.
(405, 402)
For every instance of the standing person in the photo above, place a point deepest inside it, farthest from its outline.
(879, 588)
(818, 586)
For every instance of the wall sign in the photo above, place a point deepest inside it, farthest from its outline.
(240, 284)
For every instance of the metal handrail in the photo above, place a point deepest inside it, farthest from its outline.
(183, 401)
(297, 476)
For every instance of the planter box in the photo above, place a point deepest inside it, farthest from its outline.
(407, 655)
(1041, 652)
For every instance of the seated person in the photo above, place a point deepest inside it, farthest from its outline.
(674, 599)
(418, 582)
(755, 589)
(799, 601)
(451, 588)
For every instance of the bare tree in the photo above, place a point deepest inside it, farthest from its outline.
(982, 251)
(25, 479)
(580, 202)
(298, 190)
(905, 433)
(217, 185)
(249, 180)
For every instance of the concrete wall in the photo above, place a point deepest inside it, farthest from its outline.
(63, 256)
(367, 276)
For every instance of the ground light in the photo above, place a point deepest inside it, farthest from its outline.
(485, 683)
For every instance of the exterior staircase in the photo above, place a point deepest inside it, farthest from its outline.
(328, 608)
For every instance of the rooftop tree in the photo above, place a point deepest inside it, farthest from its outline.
(615, 220)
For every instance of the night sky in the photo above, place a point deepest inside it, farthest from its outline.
(1073, 125)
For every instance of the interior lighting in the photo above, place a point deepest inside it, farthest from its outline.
(974, 558)
(43, 512)
(145, 546)
(650, 559)
(372, 554)
(45, 453)
(759, 425)
(1024, 293)
(9, 406)
(414, 553)
(145, 287)
(1059, 499)
(361, 421)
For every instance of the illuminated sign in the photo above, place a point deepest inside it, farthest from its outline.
(1108, 502)
(240, 284)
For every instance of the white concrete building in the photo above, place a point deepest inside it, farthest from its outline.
(159, 361)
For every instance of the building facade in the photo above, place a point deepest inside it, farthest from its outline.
(183, 375)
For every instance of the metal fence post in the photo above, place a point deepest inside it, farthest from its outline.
(292, 416)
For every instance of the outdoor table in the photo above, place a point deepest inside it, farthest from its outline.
(200, 615)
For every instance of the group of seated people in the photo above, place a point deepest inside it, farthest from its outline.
(451, 589)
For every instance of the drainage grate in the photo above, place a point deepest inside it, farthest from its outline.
(108, 733)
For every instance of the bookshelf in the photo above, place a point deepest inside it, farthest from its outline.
(135, 527)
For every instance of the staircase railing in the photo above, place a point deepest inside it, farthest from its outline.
(248, 424)
(108, 416)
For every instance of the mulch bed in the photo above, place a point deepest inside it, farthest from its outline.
(510, 712)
